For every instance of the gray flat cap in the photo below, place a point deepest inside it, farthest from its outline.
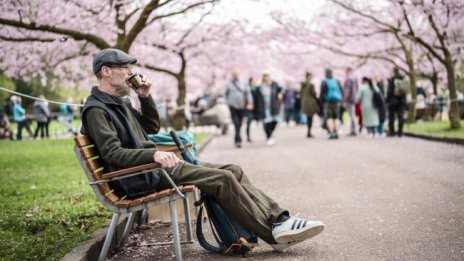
(111, 56)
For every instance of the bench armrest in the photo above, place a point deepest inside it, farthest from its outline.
(137, 170)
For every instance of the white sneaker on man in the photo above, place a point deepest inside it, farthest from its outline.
(293, 231)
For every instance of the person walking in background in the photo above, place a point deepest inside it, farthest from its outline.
(289, 104)
(309, 102)
(350, 88)
(382, 109)
(396, 105)
(331, 96)
(19, 115)
(272, 97)
(67, 112)
(298, 117)
(238, 98)
(251, 111)
(370, 114)
(41, 116)
(5, 127)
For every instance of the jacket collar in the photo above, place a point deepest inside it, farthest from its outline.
(105, 97)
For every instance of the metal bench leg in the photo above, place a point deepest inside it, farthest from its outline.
(143, 216)
(175, 230)
(188, 221)
(109, 236)
(196, 197)
(127, 229)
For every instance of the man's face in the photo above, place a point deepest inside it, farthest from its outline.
(118, 76)
(235, 75)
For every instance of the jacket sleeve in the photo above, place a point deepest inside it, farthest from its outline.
(149, 116)
(103, 133)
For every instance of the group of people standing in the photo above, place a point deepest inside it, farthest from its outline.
(366, 104)
(255, 102)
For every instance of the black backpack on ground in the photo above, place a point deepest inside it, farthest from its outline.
(229, 234)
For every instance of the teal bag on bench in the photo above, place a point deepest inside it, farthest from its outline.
(164, 138)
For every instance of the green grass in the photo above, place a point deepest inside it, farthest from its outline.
(435, 128)
(47, 205)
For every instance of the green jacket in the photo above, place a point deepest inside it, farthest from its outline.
(120, 135)
(309, 104)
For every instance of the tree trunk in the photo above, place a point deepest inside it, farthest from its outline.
(178, 119)
(412, 86)
(434, 81)
(454, 107)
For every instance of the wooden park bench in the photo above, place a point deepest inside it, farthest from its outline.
(98, 179)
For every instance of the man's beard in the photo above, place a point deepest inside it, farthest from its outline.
(121, 86)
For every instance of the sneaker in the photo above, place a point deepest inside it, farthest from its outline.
(293, 231)
(270, 142)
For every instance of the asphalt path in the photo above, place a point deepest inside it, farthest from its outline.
(381, 199)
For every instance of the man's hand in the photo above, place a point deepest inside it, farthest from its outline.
(144, 91)
(167, 159)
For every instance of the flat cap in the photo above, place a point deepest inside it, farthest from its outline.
(110, 56)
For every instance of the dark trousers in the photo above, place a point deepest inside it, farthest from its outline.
(397, 110)
(250, 116)
(269, 128)
(309, 122)
(237, 195)
(21, 125)
(237, 119)
(43, 128)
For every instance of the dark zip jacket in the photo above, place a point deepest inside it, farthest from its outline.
(120, 135)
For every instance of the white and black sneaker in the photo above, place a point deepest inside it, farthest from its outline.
(293, 231)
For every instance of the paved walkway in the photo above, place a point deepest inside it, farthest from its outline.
(381, 199)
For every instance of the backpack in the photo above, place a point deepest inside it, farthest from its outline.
(401, 86)
(334, 93)
(230, 235)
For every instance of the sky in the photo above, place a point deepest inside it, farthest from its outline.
(258, 13)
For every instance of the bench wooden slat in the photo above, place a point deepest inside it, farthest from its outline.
(135, 169)
(82, 141)
(93, 164)
(88, 152)
(188, 188)
(125, 203)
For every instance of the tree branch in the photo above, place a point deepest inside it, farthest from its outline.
(180, 11)
(27, 39)
(97, 41)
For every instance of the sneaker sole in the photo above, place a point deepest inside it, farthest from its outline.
(292, 237)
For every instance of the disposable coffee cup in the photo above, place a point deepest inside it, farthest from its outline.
(135, 80)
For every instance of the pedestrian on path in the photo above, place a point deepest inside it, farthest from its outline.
(396, 104)
(272, 97)
(350, 88)
(309, 102)
(238, 98)
(331, 96)
(370, 113)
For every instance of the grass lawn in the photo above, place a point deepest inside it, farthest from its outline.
(435, 128)
(47, 205)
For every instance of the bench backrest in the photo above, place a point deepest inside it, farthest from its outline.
(92, 164)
